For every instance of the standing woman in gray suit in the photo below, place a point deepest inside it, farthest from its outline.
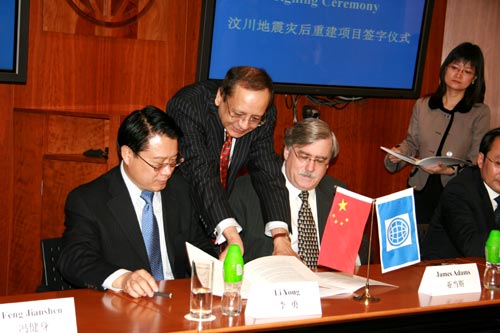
(450, 122)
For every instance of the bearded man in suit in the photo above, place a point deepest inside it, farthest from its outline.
(310, 145)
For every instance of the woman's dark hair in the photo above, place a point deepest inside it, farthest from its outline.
(140, 125)
(467, 53)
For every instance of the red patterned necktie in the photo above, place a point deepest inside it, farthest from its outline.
(224, 159)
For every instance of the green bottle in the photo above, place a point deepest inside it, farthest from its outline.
(491, 278)
(233, 277)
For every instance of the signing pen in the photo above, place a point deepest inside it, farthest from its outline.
(162, 294)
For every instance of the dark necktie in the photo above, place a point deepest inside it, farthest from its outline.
(497, 213)
(151, 236)
(224, 159)
(308, 236)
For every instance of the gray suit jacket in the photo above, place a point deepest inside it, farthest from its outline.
(247, 208)
(426, 130)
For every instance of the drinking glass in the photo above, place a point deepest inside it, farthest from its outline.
(202, 276)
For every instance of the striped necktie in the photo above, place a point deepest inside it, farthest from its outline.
(308, 236)
(224, 159)
(151, 236)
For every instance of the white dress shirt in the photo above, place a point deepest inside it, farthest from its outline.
(139, 203)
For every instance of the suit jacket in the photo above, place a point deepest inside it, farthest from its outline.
(103, 235)
(463, 219)
(247, 208)
(426, 130)
(194, 110)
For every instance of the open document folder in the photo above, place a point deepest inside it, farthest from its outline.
(428, 161)
(274, 269)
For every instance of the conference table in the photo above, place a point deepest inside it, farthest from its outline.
(399, 309)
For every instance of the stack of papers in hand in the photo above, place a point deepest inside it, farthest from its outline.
(273, 269)
(428, 161)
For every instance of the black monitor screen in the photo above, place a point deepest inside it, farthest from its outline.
(14, 21)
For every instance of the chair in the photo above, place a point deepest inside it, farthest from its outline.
(422, 231)
(52, 279)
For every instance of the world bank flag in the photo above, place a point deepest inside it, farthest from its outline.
(397, 230)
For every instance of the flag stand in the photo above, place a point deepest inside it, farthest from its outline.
(366, 297)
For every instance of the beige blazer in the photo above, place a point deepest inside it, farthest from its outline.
(426, 129)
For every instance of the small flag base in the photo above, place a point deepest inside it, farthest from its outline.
(366, 297)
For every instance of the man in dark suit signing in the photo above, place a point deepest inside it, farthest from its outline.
(132, 222)
(309, 147)
(240, 112)
(466, 211)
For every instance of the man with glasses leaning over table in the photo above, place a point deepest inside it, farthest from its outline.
(127, 229)
(228, 128)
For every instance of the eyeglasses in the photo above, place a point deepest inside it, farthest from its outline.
(179, 159)
(468, 71)
(254, 121)
(496, 164)
(304, 158)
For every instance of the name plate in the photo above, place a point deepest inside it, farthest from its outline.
(283, 300)
(450, 280)
(52, 315)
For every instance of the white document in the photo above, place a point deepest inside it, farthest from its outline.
(262, 270)
(337, 283)
(428, 161)
(280, 269)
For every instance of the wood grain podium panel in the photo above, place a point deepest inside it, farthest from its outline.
(48, 149)
(142, 19)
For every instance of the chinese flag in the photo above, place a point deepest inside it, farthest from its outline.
(344, 230)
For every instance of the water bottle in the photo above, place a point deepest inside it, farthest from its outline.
(491, 278)
(233, 277)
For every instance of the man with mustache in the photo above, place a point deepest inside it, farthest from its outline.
(310, 145)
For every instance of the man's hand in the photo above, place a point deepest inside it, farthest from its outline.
(137, 284)
(282, 244)
(232, 237)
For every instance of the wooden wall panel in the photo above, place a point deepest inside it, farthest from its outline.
(72, 135)
(7, 181)
(111, 75)
(25, 244)
(478, 22)
(59, 178)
